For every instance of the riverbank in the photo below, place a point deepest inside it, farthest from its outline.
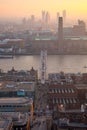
(26, 54)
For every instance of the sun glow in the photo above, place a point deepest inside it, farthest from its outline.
(19, 8)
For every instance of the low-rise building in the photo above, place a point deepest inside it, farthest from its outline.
(21, 75)
(16, 104)
(14, 121)
(17, 89)
(63, 95)
(5, 124)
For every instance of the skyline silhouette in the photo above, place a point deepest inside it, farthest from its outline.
(21, 8)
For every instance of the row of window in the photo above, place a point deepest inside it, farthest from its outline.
(66, 90)
(64, 100)
(11, 106)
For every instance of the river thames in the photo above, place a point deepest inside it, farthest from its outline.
(55, 63)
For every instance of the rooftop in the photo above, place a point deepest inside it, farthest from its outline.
(15, 100)
(15, 86)
(4, 124)
(16, 117)
(81, 86)
(77, 38)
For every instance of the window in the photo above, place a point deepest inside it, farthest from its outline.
(66, 90)
(55, 90)
(60, 100)
(70, 100)
(56, 100)
(52, 90)
(59, 90)
(67, 100)
(53, 101)
(62, 90)
(64, 101)
(74, 100)
(69, 90)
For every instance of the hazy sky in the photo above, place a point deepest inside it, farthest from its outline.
(21, 8)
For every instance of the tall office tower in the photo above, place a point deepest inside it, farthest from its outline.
(24, 21)
(43, 16)
(60, 34)
(58, 14)
(32, 20)
(64, 16)
(47, 19)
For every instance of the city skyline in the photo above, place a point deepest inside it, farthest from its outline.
(21, 8)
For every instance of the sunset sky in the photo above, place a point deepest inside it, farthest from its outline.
(23, 8)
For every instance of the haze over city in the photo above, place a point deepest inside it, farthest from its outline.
(43, 64)
(24, 8)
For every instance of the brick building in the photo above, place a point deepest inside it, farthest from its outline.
(63, 94)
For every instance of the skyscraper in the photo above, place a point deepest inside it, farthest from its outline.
(60, 34)
(24, 21)
(58, 14)
(32, 21)
(43, 15)
(64, 15)
(47, 19)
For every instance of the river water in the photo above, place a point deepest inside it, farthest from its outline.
(55, 63)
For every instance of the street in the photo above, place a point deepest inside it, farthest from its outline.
(39, 124)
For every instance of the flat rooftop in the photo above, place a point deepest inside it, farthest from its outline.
(15, 86)
(81, 86)
(4, 124)
(13, 100)
(16, 118)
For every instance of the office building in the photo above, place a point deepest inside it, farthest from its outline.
(17, 89)
(60, 34)
(5, 124)
(14, 121)
(16, 104)
(64, 15)
(43, 15)
(58, 14)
